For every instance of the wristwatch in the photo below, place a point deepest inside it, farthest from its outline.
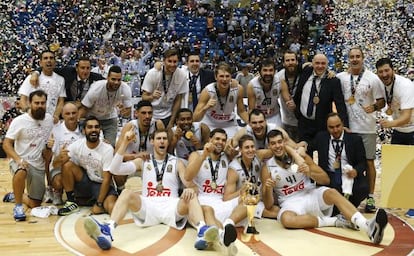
(99, 204)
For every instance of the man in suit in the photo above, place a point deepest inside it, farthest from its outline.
(77, 79)
(198, 79)
(337, 149)
(314, 97)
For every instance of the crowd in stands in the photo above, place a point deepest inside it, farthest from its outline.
(237, 34)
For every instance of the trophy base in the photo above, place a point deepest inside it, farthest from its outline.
(250, 235)
(252, 230)
(250, 238)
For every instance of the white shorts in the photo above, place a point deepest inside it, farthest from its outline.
(159, 210)
(311, 203)
(222, 209)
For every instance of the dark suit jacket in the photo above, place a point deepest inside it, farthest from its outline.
(206, 77)
(330, 91)
(355, 152)
(70, 75)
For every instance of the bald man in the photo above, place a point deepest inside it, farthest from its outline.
(314, 97)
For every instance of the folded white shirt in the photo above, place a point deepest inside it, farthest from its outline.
(347, 183)
(44, 211)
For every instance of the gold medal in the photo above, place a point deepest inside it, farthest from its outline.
(351, 100)
(336, 164)
(188, 135)
(159, 187)
(388, 111)
(315, 100)
(213, 185)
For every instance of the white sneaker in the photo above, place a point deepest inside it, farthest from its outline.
(341, 222)
(230, 250)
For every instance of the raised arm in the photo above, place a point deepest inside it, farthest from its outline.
(117, 166)
(204, 103)
(195, 161)
(267, 187)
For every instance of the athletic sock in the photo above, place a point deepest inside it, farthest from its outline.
(326, 221)
(200, 225)
(359, 220)
(228, 221)
(112, 225)
(70, 195)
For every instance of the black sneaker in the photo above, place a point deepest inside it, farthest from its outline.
(230, 234)
(68, 208)
(376, 226)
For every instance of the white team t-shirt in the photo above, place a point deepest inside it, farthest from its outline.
(63, 136)
(102, 103)
(403, 98)
(30, 137)
(367, 90)
(95, 161)
(53, 85)
(175, 85)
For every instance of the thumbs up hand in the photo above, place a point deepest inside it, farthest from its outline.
(50, 141)
(64, 154)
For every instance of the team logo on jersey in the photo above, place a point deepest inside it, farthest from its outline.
(278, 177)
(149, 167)
(231, 99)
(206, 165)
(274, 92)
(169, 168)
(223, 164)
(256, 168)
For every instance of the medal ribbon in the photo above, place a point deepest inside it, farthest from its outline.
(338, 146)
(250, 176)
(354, 85)
(164, 82)
(214, 171)
(390, 95)
(218, 97)
(157, 172)
(143, 141)
(292, 87)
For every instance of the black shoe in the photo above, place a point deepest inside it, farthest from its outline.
(230, 234)
(370, 205)
(376, 226)
(68, 208)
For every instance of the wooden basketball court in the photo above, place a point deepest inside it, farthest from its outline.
(66, 236)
